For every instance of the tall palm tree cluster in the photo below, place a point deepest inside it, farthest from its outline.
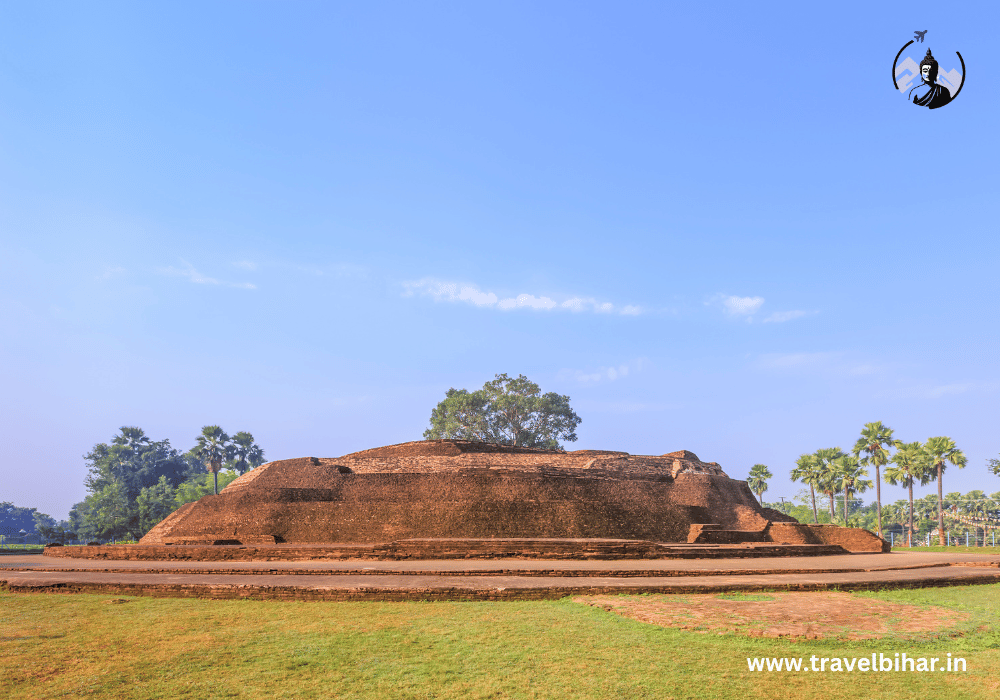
(216, 449)
(134, 482)
(832, 471)
(973, 511)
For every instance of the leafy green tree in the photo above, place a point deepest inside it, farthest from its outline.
(201, 485)
(993, 465)
(873, 444)
(757, 481)
(80, 520)
(42, 520)
(110, 511)
(505, 412)
(911, 463)
(808, 470)
(973, 508)
(13, 519)
(134, 461)
(895, 514)
(942, 450)
(154, 503)
(132, 464)
(828, 473)
(926, 508)
(850, 479)
(57, 533)
(244, 454)
(213, 449)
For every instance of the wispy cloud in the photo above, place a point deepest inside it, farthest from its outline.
(440, 290)
(742, 307)
(603, 374)
(782, 316)
(747, 307)
(245, 265)
(198, 278)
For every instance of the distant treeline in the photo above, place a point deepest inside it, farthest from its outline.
(134, 482)
(975, 512)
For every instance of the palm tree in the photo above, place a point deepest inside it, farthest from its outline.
(808, 471)
(850, 478)
(895, 513)
(245, 455)
(925, 508)
(131, 437)
(874, 440)
(212, 449)
(910, 463)
(757, 481)
(941, 451)
(975, 511)
(993, 465)
(825, 457)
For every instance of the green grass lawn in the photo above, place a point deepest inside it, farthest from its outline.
(951, 550)
(78, 646)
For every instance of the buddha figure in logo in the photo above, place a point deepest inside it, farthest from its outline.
(929, 93)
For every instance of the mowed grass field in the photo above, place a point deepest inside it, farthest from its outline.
(74, 646)
(951, 550)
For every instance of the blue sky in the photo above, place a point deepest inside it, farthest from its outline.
(727, 232)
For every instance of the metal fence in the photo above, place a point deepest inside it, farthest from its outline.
(930, 539)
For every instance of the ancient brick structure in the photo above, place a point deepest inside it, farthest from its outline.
(456, 489)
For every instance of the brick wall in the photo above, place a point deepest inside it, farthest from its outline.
(454, 489)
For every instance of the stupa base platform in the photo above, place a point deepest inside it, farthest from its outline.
(494, 579)
(452, 548)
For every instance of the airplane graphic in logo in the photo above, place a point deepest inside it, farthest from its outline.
(928, 83)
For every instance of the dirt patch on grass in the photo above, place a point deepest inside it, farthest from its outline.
(816, 615)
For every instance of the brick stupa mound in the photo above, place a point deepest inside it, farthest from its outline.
(450, 490)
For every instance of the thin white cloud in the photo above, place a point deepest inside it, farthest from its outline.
(440, 290)
(449, 291)
(746, 307)
(526, 300)
(782, 316)
(245, 265)
(603, 374)
(743, 307)
(197, 278)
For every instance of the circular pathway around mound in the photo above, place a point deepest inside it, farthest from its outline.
(512, 579)
(813, 615)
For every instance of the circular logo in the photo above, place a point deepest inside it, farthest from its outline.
(922, 79)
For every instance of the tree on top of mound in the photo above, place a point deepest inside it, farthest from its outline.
(505, 412)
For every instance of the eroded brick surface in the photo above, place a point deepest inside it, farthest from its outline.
(460, 490)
